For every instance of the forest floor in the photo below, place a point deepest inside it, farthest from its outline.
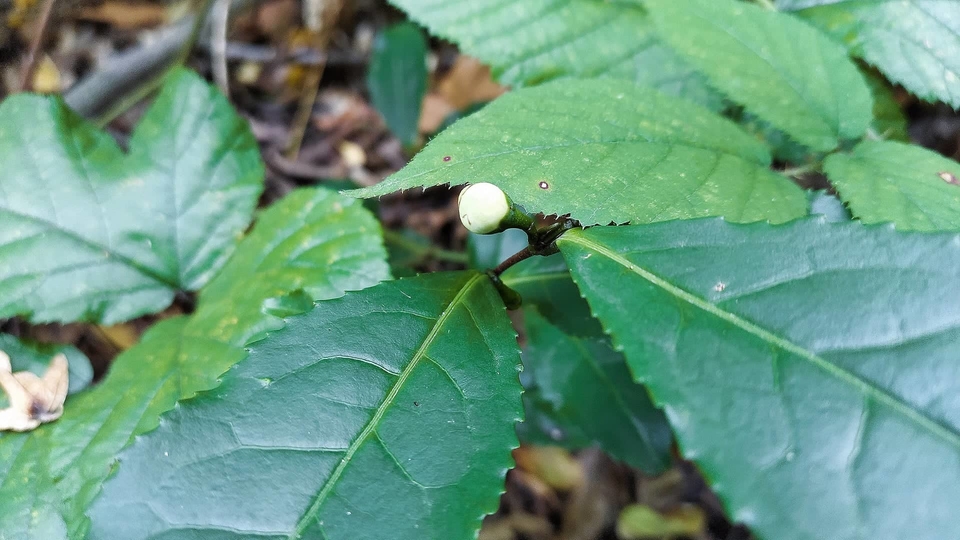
(265, 62)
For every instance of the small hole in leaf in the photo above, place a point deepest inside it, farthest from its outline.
(949, 178)
(544, 185)
(447, 158)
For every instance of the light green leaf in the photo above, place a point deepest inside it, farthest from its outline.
(828, 205)
(778, 67)
(826, 366)
(396, 402)
(528, 42)
(312, 240)
(913, 42)
(593, 397)
(397, 79)
(28, 502)
(886, 181)
(606, 151)
(91, 233)
(888, 119)
(35, 357)
(545, 283)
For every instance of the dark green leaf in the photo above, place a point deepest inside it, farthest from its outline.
(886, 181)
(529, 42)
(35, 357)
(545, 283)
(593, 397)
(913, 42)
(313, 240)
(93, 234)
(816, 358)
(489, 250)
(775, 65)
(396, 402)
(606, 151)
(397, 79)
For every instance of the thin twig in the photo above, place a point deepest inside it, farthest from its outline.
(311, 85)
(128, 73)
(148, 86)
(26, 76)
(801, 170)
(521, 255)
(219, 21)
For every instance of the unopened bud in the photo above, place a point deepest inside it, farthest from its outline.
(485, 208)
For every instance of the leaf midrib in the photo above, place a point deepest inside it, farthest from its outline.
(146, 272)
(867, 388)
(374, 421)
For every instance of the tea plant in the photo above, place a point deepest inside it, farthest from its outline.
(807, 365)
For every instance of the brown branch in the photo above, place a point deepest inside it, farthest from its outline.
(523, 254)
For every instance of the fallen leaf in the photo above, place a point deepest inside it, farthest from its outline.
(434, 111)
(126, 15)
(33, 400)
(468, 82)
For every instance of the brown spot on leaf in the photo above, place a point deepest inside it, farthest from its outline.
(544, 185)
(447, 158)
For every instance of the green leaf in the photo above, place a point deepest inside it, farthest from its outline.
(397, 79)
(545, 283)
(778, 67)
(826, 366)
(28, 502)
(606, 151)
(593, 397)
(396, 402)
(886, 181)
(913, 42)
(529, 42)
(35, 357)
(888, 119)
(91, 233)
(313, 240)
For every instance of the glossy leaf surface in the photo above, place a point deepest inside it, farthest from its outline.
(407, 415)
(593, 398)
(913, 42)
(397, 79)
(776, 66)
(528, 42)
(545, 283)
(825, 368)
(912, 187)
(606, 151)
(90, 233)
(313, 240)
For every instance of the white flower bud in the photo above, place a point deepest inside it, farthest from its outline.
(483, 207)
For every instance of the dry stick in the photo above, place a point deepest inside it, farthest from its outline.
(323, 24)
(219, 20)
(131, 73)
(26, 76)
